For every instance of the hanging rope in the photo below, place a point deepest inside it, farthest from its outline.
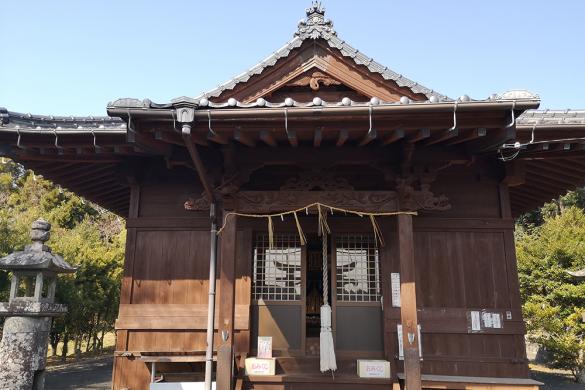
(323, 225)
(325, 276)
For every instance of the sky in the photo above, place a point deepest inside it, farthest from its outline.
(73, 57)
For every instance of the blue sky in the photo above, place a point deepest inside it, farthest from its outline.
(73, 57)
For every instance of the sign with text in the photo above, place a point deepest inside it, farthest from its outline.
(257, 366)
(373, 368)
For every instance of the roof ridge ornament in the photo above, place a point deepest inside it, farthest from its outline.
(315, 25)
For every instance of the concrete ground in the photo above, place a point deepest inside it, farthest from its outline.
(89, 374)
(96, 374)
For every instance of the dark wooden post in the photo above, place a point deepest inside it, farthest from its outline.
(408, 313)
(225, 325)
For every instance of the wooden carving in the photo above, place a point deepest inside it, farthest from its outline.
(422, 198)
(273, 201)
(317, 180)
(200, 204)
(412, 192)
(314, 81)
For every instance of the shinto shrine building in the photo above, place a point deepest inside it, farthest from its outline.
(333, 180)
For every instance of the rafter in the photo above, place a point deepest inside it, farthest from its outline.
(394, 136)
(468, 135)
(317, 137)
(441, 136)
(419, 135)
(292, 138)
(369, 137)
(243, 138)
(342, 138)
(268, 138)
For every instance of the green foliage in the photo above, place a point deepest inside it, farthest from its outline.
(84, 234)
(554, 301)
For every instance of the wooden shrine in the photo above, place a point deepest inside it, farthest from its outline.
(317, 122)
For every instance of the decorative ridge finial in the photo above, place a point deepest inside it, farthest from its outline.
(315, 25)
(315, 8)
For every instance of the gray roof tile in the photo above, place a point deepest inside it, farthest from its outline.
(551, 117)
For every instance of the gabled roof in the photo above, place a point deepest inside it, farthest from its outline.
(316, 26)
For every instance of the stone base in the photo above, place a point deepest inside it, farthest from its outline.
(23, 352)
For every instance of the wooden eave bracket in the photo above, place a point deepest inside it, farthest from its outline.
(186, 116)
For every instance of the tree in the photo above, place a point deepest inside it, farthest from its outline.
(554, 302)
(86, 235)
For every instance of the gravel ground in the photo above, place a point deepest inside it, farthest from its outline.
(90, 374)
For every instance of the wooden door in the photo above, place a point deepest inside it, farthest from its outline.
(278, 293)
(356, 295)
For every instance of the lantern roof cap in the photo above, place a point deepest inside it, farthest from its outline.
(37, 256)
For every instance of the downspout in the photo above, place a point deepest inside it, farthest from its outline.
(186, 117)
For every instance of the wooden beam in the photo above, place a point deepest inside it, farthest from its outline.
(218, 138)
(468, 135)
(148, 143)
(226, 309)
(369, 137)
(176, 139)
(526, 193)
(442, 136)
(515, 173)
(318, 137)
(102, 192)
(57, 169)
(396, 135)
(549, 178)
(83, 172)
(243, 138)
(419, 135)
(196, 158)
(492, 141)
(562, 172)
(343, 136)
(408, 311)
(268, 138)
(567, 168)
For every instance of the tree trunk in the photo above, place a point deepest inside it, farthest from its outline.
(580, 375)
(55, 337)
(101, 343)
(78, 347)
(65, 348)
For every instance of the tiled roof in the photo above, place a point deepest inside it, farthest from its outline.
(551, 118)
(16, 120)
(315, 26)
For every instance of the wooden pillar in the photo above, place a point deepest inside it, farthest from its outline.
(226, 309)
(408, 312)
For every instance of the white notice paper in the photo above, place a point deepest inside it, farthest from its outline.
(497, 320)
(395, 283)
(265, 347)
(475, 321)
(487, 320)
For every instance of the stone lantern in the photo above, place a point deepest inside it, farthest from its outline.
(29, 311)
